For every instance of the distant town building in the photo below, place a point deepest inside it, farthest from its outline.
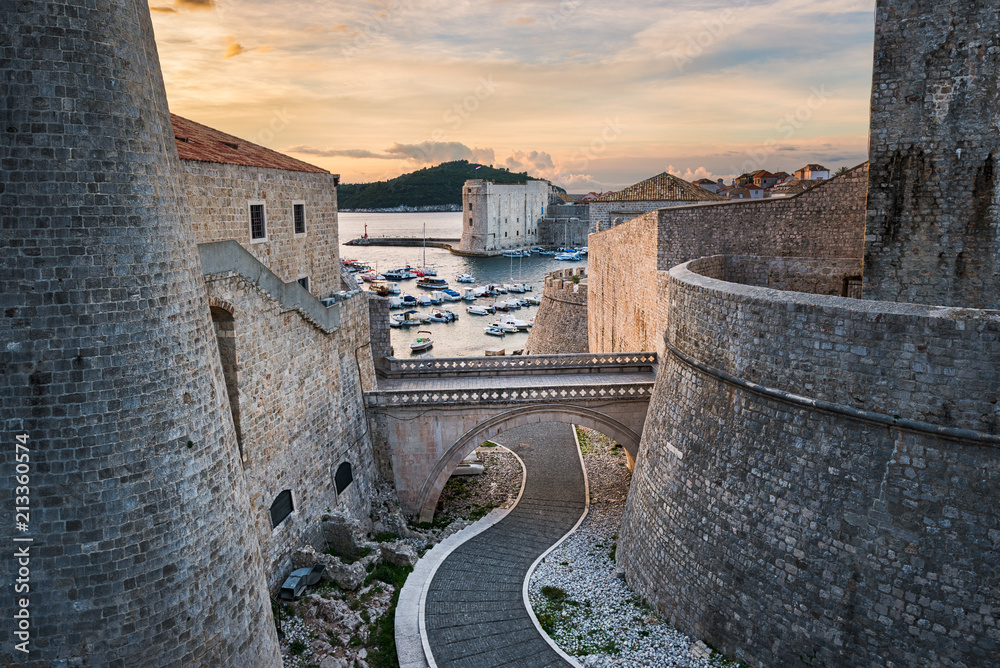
(792, 187)
(746, 192)
(710, 185)
(658, 192)
(812, 173)
(501, 216)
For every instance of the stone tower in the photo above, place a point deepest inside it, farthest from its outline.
(139, 551)
(933, 229)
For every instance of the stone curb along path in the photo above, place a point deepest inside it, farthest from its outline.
(466, 602)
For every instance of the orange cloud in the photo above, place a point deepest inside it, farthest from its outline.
(196, 4)
(164, 10)
(525, 20)
(234, 48)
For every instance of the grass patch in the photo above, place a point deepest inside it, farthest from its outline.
(297, 647)
(386, 537)
(362, 553)
(389, 574)
(613, 552)
(554, 593)
(479, 513)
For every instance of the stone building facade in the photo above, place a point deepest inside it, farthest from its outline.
(657, 192)
(628, 264)
(561, 323)
(139, 510)
(498, 217)
(222, 183)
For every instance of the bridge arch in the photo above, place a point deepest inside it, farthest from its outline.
(431, 490)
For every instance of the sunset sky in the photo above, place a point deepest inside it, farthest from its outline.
(590, 94)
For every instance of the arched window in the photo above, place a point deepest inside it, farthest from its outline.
(344, 477)
(281, 508)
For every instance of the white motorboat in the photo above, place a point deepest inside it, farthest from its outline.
(516, 287)
(395, 302)
(422, 343)
(569, 257)
(424, 300)
(469, 295)
(493, 331)
(520, 325)
(475, 309)
(437, 298)
(533, 301)
(451, 295)
(395, 322)
(505, 327)
(465, 278)
(443, 316)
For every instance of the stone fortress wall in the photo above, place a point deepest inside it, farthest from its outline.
(818, 474)
(628, 264)
(561, 322)
(138, 504)
(299, 410)
(218, 197)
(816, 479)
(497, 217)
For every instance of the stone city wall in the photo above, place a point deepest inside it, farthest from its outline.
(932, 232)
(816, 479)
(563, 232)
(300, 411)
(561, 322)
(219, 196)
(628, 264)
(602, 215)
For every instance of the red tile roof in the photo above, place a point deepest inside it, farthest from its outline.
(662, 188)
(204, 144)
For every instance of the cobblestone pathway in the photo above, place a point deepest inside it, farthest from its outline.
(475, 614)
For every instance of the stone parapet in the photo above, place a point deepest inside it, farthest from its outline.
(829, 451)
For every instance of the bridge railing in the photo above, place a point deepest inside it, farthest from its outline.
(519, 365)
(560, 394)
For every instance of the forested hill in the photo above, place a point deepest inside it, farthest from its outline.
(439, 186)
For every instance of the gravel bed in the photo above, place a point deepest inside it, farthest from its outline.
(589, 611)
(471, 497)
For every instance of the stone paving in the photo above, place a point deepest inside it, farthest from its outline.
(475, 614)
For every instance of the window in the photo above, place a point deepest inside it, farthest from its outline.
(344, 477)
(299, 217)
(281, 508)
(258, 222)
(304, 282)
(470, 222)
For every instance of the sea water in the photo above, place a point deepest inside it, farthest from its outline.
(463, 337)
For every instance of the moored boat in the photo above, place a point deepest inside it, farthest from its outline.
(422, 343)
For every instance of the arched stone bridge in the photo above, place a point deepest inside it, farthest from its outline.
(430, 413)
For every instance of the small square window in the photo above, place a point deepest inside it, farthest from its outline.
(299, 217)
(258, 222)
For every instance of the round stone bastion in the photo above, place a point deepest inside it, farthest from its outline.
(818, 477)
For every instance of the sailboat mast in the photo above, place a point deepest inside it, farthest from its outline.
(425, 245)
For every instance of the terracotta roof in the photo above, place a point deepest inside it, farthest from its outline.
(204, 144)
(662, 188)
